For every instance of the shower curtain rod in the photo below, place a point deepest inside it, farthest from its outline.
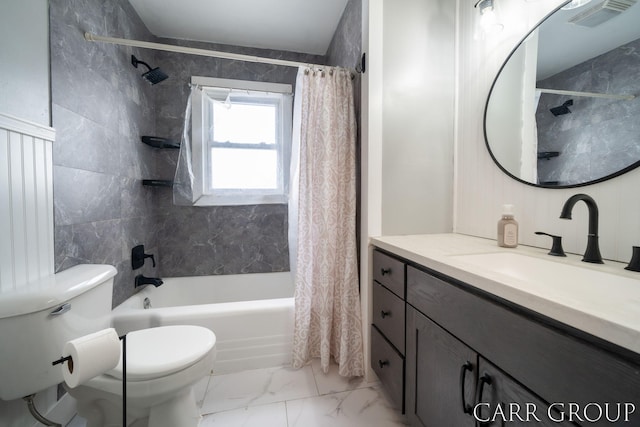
(195, 51)
(587, 94)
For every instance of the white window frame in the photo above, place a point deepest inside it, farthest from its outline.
(202, 143)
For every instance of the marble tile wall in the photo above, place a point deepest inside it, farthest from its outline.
(100, 107)
(194, 241)
(230, 239)
(599, 136)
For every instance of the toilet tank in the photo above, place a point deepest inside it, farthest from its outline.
(36, 321)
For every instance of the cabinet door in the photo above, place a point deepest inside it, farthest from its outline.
(440, 377)
(503, 401)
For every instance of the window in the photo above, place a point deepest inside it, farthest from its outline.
(241, 133)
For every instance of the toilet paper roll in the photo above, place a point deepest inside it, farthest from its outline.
(91, 355)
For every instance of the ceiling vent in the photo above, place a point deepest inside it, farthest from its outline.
(601, 12)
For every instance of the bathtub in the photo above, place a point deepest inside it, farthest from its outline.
(251, 315)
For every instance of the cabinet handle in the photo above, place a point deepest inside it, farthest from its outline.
(385, 271)
(466, 408)
(384, 314)
(382, 364)
(485, 379)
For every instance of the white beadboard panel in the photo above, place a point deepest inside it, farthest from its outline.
(6, 269)
(481, 188)
(26, 202)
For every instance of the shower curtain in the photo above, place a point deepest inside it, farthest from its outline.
(323, 223)
(183, 178)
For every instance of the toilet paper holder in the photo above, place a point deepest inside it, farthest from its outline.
(123, 338)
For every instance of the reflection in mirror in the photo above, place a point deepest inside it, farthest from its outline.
(564, 110)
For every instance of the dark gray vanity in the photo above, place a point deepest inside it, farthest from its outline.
(444, 348)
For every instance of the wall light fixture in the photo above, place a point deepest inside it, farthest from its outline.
(488, 19)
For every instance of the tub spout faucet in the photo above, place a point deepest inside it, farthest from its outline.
(142, 281)
(592, 253)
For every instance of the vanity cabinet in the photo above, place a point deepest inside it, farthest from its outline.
(465, 348)
(500, 398)
(388, 325)
(441, 375)
(533, 359)
(446, 381)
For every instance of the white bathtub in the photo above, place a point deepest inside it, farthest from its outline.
(251, 315)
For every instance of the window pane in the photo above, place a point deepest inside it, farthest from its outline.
(239, 168)
(244, 123)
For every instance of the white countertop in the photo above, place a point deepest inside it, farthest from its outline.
(600, 299)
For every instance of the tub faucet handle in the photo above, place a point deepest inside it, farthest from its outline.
(138, 256)
(556, 245)
(153, 260)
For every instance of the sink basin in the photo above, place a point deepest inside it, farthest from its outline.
(589, 298)
(540, 272)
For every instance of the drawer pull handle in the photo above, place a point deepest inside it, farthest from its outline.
(385, 271)
(466, 408)
(382, 364)
(485, 379)
(384, 314)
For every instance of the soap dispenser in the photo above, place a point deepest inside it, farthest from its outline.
(507, 228)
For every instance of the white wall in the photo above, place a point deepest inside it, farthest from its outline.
(25, 93)
(418, 73)
(481, 188)
(24, 59)
(407, 125)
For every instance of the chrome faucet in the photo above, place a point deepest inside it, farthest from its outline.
(592, 253)
(142, 281)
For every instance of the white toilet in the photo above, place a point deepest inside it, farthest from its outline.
(163, 364)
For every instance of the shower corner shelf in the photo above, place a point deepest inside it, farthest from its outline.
(548, 154)
(157, 183)
(158, 142)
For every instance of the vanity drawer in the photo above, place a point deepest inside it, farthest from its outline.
(553, 360)
(388, 364)
(388, 315)
(389, 271)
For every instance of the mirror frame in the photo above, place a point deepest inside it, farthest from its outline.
(486, 139)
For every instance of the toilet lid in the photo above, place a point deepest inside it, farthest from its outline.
(157, 352)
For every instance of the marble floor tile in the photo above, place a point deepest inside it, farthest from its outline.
(270, 415)
(257, 387)
(331, 382)
(77, 421)
(363, 407)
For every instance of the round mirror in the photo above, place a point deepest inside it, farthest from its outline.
(564, 110)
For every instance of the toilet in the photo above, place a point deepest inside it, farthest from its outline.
(162, 365)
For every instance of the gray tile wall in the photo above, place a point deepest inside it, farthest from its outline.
(599, 136)
(346, 45)
(101, 107)
(194, 241)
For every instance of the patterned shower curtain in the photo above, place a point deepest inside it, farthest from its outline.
(327, 299)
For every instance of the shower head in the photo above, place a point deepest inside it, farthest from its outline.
(154, 75)
(562, 109)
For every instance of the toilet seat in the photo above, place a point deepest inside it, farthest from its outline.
(158, 352)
